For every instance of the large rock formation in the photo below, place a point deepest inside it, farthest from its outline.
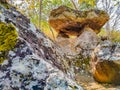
(82, 24)
(69, 22)
(33, 62)
(77, 33)
(106, 63)
(85, 25)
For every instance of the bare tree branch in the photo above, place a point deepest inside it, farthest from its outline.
(40, 13)
(74, 4)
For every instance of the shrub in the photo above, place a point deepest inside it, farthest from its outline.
(114, 35)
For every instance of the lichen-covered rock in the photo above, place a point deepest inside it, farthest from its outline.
(106, 63)
(26, 71)
(35, 62)
(69, 22)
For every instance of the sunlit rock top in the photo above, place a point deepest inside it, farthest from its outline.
(71, 22)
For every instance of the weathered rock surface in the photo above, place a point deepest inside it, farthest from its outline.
(69, 22)
(82, 24)
(83, 44)
(106, 63)
(87, 41)
(36, 63)
(85, 25)
(77, 34)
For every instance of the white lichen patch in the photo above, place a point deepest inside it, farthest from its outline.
(11, 53)
(32, 27)
(57, 82)
(26, 65)
(24, 49)
(20, 67)
(34, 30)
(2, 74)
(2, 17)
(48, 43)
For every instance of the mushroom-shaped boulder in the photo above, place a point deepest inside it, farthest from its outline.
(67, 21)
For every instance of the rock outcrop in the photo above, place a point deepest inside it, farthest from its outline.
(35, 62)
(77, 28)
(77, 32)
(85, 25)
(69, 22)
(106, 63)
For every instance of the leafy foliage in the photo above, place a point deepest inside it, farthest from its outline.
(112, 7)
(33, 11)
(39, 15)
(87, 3)
(114, 35)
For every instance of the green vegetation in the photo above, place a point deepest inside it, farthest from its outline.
(102, 33)
(81, 62)
(38, 12)
(47, 6)
(87, 4)
(114, 35)
(8, 39)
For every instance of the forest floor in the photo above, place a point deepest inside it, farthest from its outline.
(88, 83)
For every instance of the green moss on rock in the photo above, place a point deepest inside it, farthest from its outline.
(8, 39)
(81, 62)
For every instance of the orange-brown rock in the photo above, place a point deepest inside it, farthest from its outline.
(106, 63)
(71, 22)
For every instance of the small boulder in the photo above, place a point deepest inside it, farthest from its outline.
(106, 63)
(87, 40)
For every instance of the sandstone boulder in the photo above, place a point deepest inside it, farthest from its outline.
(106, 63)
(77, 33)
(67, 21)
